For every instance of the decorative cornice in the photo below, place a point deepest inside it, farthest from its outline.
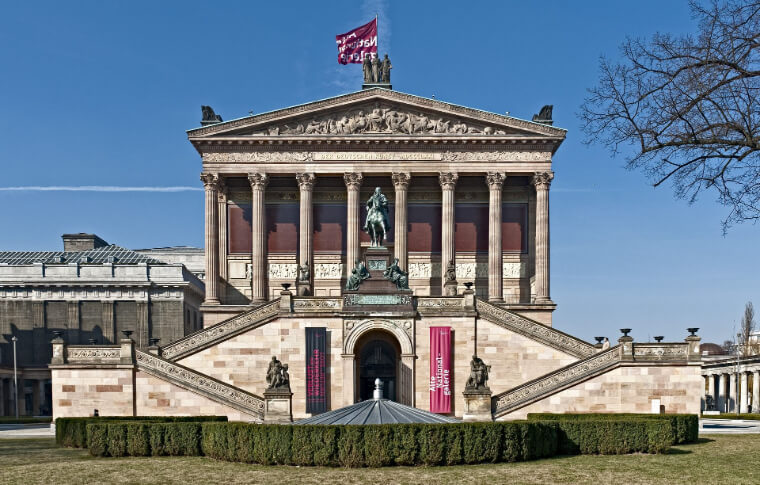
(542, 180)
(495, 180)
(553, 382)
(401, 180)
(344, 101)
(353, 180)
(534, 330)
(305, 180)
(258, 180)
(207, 337)
(448, 180)
(202, 384)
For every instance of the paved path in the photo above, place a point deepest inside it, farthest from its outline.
(728, 426)
(26, 431)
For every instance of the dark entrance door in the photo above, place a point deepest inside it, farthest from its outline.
(377, 359)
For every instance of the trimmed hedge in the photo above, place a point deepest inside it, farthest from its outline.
(72, 432)
(684, 427)
(144, 439)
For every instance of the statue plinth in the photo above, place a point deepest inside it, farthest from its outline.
(278, 406)
(303, 288)
(477, 405)
(377, 85)
(377, 293)
(450, 288)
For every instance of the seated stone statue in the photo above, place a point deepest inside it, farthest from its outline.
(478, 380)
(358, 274)
(396, 275)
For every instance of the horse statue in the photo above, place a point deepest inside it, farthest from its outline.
(376, 224)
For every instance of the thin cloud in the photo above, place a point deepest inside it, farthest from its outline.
(97, 188)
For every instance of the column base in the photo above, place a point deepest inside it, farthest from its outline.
(496, 301)
(450, 288)
(212, 301)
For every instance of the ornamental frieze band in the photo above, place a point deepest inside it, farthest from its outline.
(308, 157)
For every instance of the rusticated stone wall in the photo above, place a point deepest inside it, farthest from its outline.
(514, 359)
(78, 392)
(242, 361)
(156, 397)
(627, 390)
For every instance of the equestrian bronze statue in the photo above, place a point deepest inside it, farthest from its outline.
(376, 224)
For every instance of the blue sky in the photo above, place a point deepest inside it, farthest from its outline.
(100, 93)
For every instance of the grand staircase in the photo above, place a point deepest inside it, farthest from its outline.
(533, 330)
(204, 338)
(202, 384)
(556, 381)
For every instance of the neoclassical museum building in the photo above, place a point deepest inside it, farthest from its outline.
(294, 277)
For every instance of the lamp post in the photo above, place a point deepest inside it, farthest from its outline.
(15, 377)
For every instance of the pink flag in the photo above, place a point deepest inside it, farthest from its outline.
(354, 45)
(440, 369)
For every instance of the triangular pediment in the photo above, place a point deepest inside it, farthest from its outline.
(373, 113)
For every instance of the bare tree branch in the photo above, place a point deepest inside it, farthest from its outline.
(688, 107)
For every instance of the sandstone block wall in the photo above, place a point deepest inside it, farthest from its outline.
(78, 392)
(156, 397)
(242, 361)
(627, 390)
(513, 358)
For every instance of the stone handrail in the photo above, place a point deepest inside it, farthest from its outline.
(555, 381)
(534, 330)
(90, 354)
(202, 339)
(202, 384)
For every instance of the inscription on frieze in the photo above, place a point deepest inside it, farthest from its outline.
(375, 156)
(356, 300)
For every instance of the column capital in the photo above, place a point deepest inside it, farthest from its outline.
(543, 179)
(353, 180)
(495, 180)
(210, 181)
(306, 180)
(448, 180)
(258, 180)
(222, 190)
(401, 180)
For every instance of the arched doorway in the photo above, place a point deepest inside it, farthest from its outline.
(379, 356)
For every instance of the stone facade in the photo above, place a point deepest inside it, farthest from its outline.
(468, 192)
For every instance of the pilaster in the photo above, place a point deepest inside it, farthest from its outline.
(401, 186)
(495, 181)
(211, 186)
(222, 244)
(109, 335)
(542, 181)
(73, 322)
(258, 183)
(448, 183)
(353, 182)
(143, 323)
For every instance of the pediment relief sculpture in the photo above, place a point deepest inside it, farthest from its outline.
(380, 120)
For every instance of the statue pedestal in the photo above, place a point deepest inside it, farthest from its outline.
(450, 288)
(477, 405)
(278, 406)
(377, 294)
(377, 85)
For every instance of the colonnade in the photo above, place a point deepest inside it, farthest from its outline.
(722, 387)
(216, 265)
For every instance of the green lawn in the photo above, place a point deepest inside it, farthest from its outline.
(715, 459)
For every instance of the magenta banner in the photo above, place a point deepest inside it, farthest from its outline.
(440, 369)
(360, 42)
(316, 370)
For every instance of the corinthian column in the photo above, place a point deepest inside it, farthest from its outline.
(222, 238)
(401, 184)
(305, 221)
(448, 182)
(353, 183)
(495, 182)
(211, 185)
(542, 181)
(258, 237)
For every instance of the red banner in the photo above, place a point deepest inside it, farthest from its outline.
(440, 369)
(354, 45)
